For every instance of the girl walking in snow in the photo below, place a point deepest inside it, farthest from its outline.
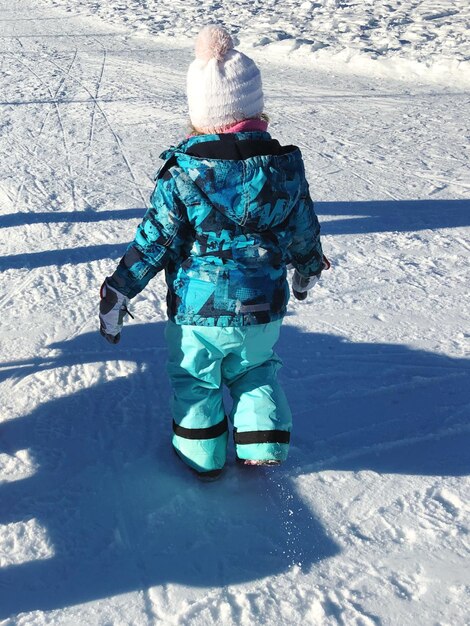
(230, 210)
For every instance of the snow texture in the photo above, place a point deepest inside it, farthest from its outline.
(409, 39)
(368, 523)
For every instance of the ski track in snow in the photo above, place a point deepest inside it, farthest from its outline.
(368, 522)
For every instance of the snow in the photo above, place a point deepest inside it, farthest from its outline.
(408, 39)
(368, 522)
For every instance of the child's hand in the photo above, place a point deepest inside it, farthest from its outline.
(301, 285)
(113, 308)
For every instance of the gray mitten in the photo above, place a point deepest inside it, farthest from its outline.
(113, 308)
(302, 284)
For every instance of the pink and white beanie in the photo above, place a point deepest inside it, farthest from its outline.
(223, 85)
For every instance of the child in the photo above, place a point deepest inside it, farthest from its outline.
(230, 210)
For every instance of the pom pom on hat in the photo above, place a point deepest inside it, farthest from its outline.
(213, 42)
(223, 85)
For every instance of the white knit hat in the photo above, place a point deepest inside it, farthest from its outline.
(224, 85)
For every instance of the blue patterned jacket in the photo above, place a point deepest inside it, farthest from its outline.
(228, 213)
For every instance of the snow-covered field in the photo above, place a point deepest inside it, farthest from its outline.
(369, 521)
(406, 38)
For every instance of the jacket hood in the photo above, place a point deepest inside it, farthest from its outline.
(248, 177)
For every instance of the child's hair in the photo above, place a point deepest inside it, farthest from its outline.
(192, 131)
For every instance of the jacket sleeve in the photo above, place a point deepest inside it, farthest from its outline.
(162, 237)
(305, 249)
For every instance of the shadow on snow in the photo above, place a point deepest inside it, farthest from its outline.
(392, 216)
(123, 514)
(62, 256)
(68, 217)
(361, 217)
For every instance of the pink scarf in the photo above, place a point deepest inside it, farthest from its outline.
(247, 126)
(244, 127)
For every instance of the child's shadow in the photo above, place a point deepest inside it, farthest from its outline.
(120, 512)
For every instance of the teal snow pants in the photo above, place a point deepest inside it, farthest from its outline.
(201, 361)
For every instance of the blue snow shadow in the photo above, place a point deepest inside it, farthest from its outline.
(360, 217)
(21, 218)
(392, 215)
(380, 407)
(123, 514)
(62, 256)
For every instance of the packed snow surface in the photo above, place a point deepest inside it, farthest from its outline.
(368, 523)
(427, 39)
